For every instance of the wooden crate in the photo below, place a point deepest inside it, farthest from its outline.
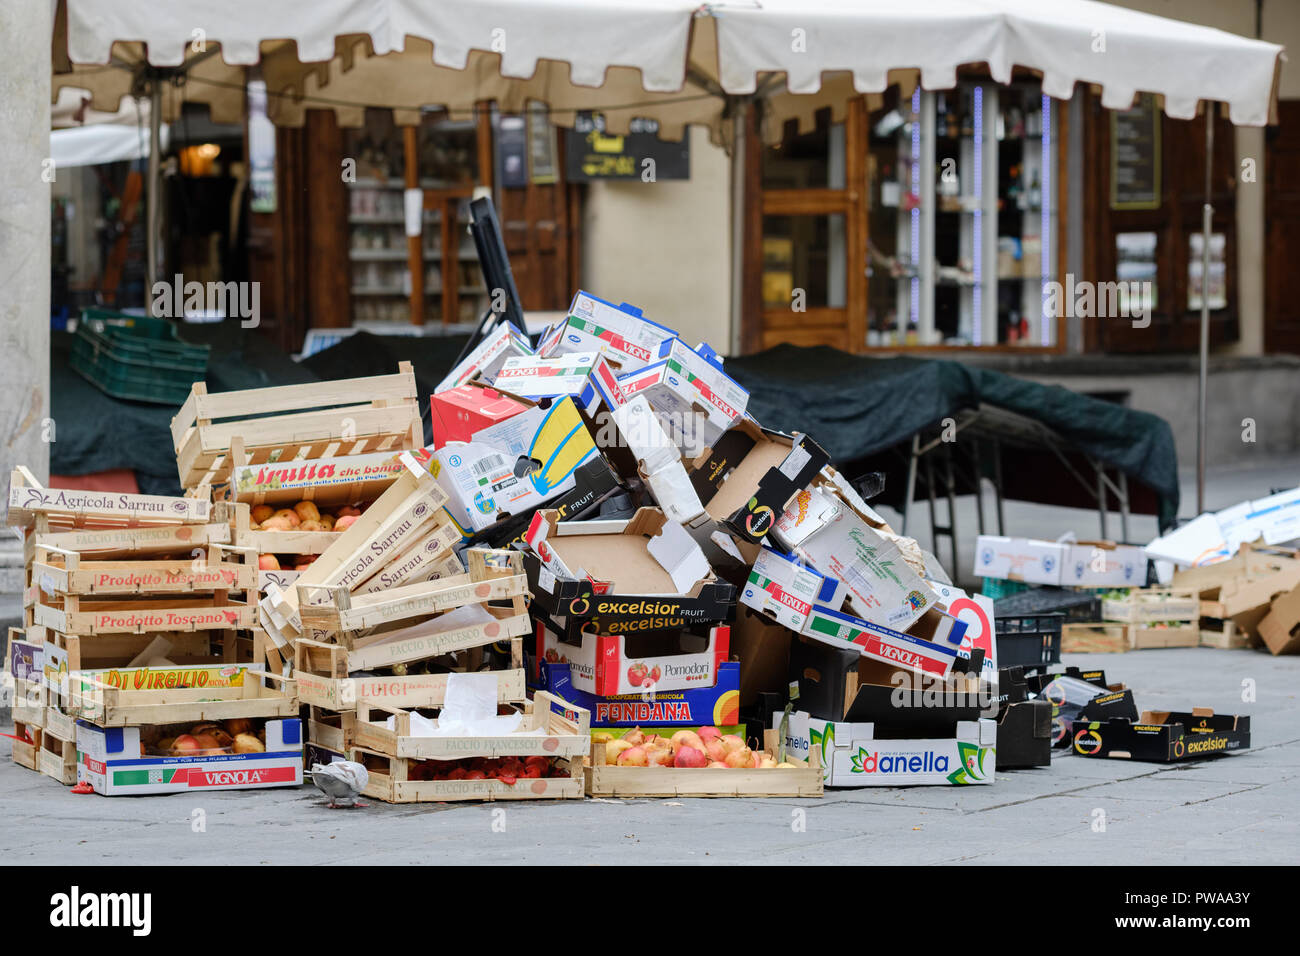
(60, 724)
(407, 512)
(1247, 599)
(493, 576)
(328, 482)
(802, 781)
(27, 745)
(32, 505)
(1094, 638)
(60, 571)
(1145, 605)
(1147, 638)
(1250, 561)
(333, 730)
(107, 544)
(322, 674)
(96, 617)
(391, 756)
(108, 706)
(1224, 635)
(58, 756)
(281, 423)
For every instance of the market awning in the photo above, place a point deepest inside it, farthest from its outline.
(677, 61)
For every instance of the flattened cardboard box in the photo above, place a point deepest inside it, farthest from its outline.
(583, 376)
(856, 755)
(651, 575)
(1162, 736)
(940, 656)
(785, 589)
(718, 705)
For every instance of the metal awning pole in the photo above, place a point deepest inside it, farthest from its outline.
(153, 197)
(1207, 215)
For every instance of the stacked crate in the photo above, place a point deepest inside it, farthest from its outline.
(315, 452)
(119, 580)
(402, 643)
(1156, 617)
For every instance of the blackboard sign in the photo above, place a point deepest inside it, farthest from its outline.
(1135, 156)
(591, 153)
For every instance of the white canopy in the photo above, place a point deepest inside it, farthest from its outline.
(678, 61)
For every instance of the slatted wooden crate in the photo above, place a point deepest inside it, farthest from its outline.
(804, 780)
(281, 423)
(322, 672)
(104, 705)
(1224, 635)
(393, 757)
(1145, 605)
(58, 755)
(75, 615)
(64, 572)
(406, 513)
(1149, 637)
(494, 575)
(27, 745)
(32, 505)
(1094, 638)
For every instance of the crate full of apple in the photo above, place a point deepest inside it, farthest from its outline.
(704, 763)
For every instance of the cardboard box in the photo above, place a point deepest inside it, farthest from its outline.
(717, 705)
(657, 460)
(1103, 564)
(488, 357)
(1162, 736)
(764, 648)
(695, 399)
(1280, 628)
(513, 466)
(840, 684)
(859, 755)
(785, 589)
(458, 413)
(1025, 735)
(618, 577)
(594, 482)
(109, 760)
(1074, 699)
(751, 475)
(619, 332)
(586, 377)
(1250, 561)
(601, 664)
(977, 612)
(1019, 559)
(939, 656)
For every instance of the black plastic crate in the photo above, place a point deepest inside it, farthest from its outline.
(1029, 640)
(1080, 607)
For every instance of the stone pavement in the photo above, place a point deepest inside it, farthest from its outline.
(1239, 809)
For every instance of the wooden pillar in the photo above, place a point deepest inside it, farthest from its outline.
(329, 272)
(414, 250)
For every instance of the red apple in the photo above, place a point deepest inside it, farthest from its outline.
(690, 757)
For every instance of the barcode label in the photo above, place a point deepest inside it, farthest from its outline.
(485, 465)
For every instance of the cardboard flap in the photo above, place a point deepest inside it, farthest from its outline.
(679, 555)
(1202, 711)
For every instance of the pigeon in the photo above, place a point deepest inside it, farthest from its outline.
(342, 781)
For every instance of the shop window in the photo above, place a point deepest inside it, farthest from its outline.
(812, 160)
(803, 262)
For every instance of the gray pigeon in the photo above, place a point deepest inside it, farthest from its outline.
(342, 781)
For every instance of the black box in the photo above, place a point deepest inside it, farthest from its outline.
(1025, 735)
(595, 482)
(1161, 737)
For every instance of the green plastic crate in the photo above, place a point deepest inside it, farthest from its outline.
(999, 588)
(136, 357)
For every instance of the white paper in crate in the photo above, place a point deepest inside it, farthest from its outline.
(469, 709)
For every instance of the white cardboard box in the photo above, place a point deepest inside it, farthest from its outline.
(786, 590)
(681, 381)
(852, 755)
(620, 332)
(1019, 559)
(1098, 564)
(584, 376)
(488, 357)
